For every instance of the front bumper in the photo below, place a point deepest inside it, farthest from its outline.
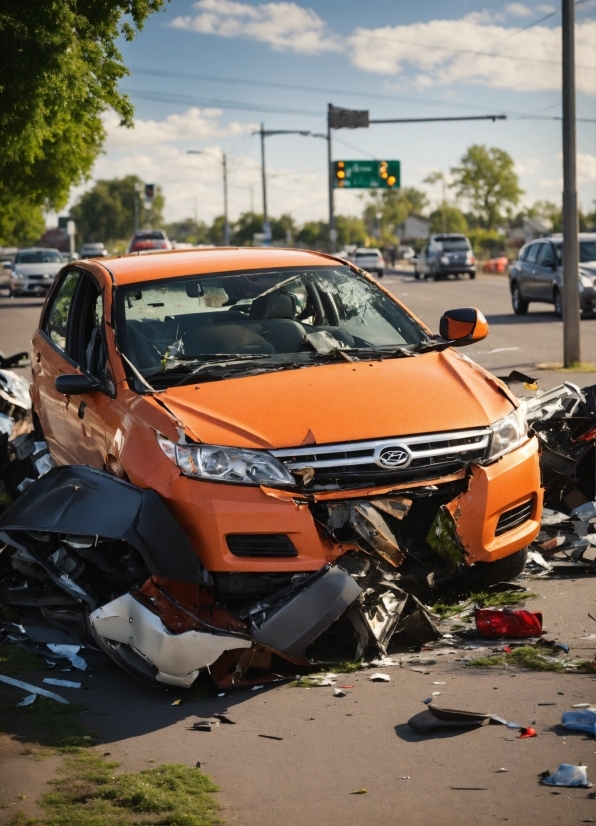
(454, 268)
(210, 513)
(30, 286)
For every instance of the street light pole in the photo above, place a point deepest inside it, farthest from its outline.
(570, 252)
(332, 229)
(224, 164)
(263, 173)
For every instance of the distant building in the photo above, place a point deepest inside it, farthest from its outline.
(528, 229)
(414, 228)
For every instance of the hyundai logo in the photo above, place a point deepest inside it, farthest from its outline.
(393, 456)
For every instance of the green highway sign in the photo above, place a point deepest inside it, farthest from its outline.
(366, 174)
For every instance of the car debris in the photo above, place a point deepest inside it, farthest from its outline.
(32, 689)
(62, 683)
(505, 622)
(435, 717)
(584, 720)
(379, 678)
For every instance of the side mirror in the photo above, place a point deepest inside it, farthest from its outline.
(76, 385)
(464, 326)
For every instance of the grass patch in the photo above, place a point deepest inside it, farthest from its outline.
(526, 656)
(347, 667)
(48, 725)
(482, 599)
(87, 792)
(307, 682)
(575, 367)
(14, 660)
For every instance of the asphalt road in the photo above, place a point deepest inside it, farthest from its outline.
(333, 747)
(513, 343)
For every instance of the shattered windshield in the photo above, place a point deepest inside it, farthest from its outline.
(192, 328)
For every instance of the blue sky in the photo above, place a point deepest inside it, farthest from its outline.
(205, 74)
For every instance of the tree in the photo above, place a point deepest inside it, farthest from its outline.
(447, 218)
(487, 178)
(21, 223)
(59, 70)
(188, 231)
(314, 235)
(107, 212)
(350, 230)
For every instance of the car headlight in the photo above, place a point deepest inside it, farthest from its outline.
(19, 275)
(444, 259)
(227, 464)
(508, 433)
(585, 281)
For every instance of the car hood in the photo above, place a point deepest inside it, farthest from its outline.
(38, 269)
(590, 266)
(341, 402)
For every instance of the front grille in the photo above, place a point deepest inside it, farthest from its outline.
(353, 464)
(261, 544)
(36, 277)
(513, 518)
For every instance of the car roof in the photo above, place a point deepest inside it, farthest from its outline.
(150, 266)
(367, 250)
(583, 236)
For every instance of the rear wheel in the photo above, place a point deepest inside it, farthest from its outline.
(558, 302)
(472, 274)
(485, 574)
(519, 304)
(416, 275)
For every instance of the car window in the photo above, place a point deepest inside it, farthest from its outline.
(39, 257)
(532, 253)
(545, 256)
(523, 253)
(455, 244)
(150, 236)
(57, 318)
(268, 315)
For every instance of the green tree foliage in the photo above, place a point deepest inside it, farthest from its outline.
(447, 218)
(106, 212)
(487, 242)
(21, 223)
(59, 70)
(486, 177)
(350, 230)
(188, 231)
(314, 235)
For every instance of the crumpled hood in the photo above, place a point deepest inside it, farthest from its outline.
(341, 402)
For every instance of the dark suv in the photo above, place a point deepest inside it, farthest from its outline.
(447, 254)
(537, 275)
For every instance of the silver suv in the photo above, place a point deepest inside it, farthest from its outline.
(537, 275)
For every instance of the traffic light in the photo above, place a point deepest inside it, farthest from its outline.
(149, 192)
(340, 173)
(386, 175)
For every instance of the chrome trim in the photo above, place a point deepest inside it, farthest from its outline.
(373, 447)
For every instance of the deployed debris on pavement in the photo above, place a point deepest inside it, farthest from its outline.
(568, 775)
(437, 718)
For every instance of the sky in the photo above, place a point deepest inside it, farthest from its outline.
(204, 75)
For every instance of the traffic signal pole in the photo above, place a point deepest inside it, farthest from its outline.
(331, 184)
(224, 162)
(570, 252)
(263, 173)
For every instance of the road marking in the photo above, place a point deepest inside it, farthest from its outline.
(503, 349)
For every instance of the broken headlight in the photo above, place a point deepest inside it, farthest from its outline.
(227, 464)
(508, 433)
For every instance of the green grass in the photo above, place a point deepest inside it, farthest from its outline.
(484, 600)
(48, 725)
(526, 656)
(87, 792)
(14, 660)
(347, 667)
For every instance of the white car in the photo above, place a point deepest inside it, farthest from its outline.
(33, 271)
(370, 259)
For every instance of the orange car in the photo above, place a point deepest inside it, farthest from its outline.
(251, 443)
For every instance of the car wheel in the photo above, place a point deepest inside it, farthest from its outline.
(484, 574)
(380, 273)
(416, 275)
(520, 306)
(558, 302)
(472, 275)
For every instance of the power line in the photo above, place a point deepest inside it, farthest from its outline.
(188, 100)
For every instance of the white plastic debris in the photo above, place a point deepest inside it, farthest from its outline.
(62, 683)
(568, 775)
(30, 698)
(256, 687)
(585, 512)
(438, 682)
(70, 652)
(339, 692)
(538, 559)
(33, 689)
(379, 678)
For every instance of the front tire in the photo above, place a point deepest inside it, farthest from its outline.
(519, 304)
(558, 302)
(485, 574)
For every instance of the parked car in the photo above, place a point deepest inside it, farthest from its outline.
(33, 271)
(369, 259)
(149, 239)
(446, 254)
(406, 253)
(537, 275)
(93, 250)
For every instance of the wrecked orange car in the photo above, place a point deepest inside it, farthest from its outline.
(242, 448)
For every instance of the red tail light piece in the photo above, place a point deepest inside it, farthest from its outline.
(506, 623)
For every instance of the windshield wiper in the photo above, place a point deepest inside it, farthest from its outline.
(431, 346)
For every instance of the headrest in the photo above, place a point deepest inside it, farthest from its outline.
(274, 305)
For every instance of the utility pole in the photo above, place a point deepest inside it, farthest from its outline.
(331, 184)
(224, 161)
(263, 172)
(570, 253)
(138, 188)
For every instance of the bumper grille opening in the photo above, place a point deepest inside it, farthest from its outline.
(261, 544)
(514, 518)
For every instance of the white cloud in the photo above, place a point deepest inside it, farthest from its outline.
(545, 8)
(586, 167)
(518, 10)
(284, 26)
(529, 166)
(194, 124)
(529, 62)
